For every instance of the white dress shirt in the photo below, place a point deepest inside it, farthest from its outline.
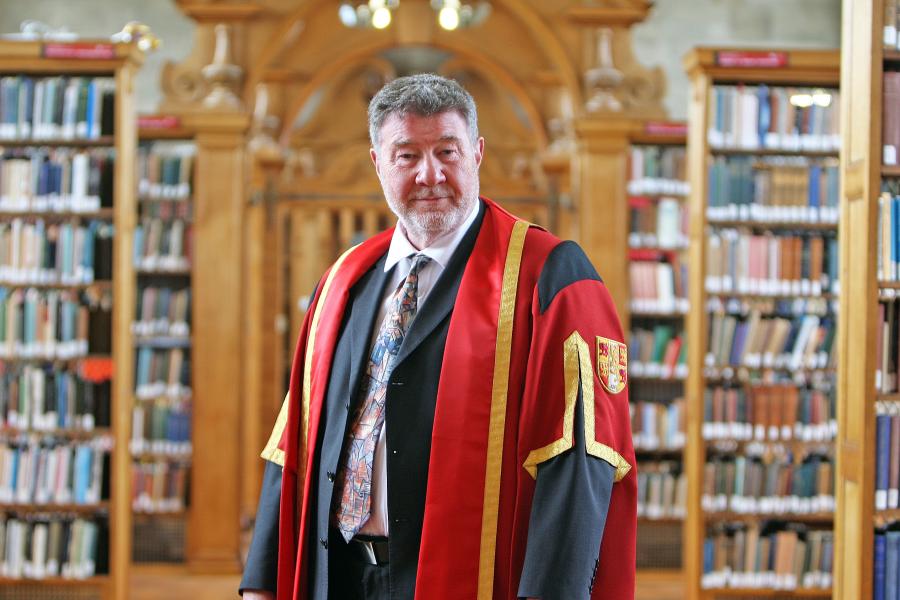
(399, 255)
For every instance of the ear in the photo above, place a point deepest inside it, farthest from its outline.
(374, 156)
(479, 151)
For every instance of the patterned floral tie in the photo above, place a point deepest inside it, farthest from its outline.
(352, 508)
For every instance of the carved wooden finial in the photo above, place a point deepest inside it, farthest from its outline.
(602, 80)
(223, 76)
(264, 126)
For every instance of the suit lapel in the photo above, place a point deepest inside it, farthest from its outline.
(364, 312)
(440, 301)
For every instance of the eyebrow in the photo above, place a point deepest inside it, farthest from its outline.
(409, 142)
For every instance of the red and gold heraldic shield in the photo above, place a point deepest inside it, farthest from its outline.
(612, 364)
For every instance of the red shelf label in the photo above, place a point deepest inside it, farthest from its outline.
(159, 122)
(761, 59)
(647, 254)
(665, 128)
(79, 50)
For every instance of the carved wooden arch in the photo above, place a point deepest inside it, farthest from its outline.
(342, 64)
(316, 165)
(533, 28)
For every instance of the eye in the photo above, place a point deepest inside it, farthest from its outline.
(449, 152)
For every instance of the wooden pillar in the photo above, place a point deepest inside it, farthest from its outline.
(599, 180)
(213, 544)
(262, 302)
(859, 326)
(563, 218)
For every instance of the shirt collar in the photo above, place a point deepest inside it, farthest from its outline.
(439, 251)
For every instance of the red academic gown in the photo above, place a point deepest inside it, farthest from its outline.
(506, 399)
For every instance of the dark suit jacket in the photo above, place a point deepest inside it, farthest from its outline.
(410, 406)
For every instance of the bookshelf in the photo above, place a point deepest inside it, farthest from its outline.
(67, 137)
(207, 273)
(161, 442)
(760, 458)
(657, 243)
(867, 396)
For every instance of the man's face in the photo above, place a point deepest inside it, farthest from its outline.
(428, 167)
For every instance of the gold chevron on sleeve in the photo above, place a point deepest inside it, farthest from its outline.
(272, 452)
(577, 368)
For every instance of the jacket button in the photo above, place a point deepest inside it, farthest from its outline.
(324, 543)
(331, 476)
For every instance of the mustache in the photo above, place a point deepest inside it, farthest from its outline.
(433, 192)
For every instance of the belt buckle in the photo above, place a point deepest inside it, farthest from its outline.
(370, 551)
(375, 552)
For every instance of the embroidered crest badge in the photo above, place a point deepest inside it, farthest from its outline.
(612, 364)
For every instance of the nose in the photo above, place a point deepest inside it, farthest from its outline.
(431, 171)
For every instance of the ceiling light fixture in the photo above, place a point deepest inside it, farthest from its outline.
(378, 14)
(453, 14)
(374, 13)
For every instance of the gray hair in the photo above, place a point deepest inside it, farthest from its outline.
(425, 95)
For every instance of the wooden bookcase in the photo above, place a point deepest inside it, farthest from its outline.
(708, 68)
(117, 64)
(865, 58)
(211, 534)
(161, 451)
(656, 185)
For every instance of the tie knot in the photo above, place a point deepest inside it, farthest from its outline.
(418, 263)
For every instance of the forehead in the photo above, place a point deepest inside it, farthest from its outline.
(418, 129)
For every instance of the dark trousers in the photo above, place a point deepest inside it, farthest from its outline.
(350, 577)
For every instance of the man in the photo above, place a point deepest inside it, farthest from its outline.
(457, 424)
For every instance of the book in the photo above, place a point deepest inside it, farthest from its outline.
(878, 560)
(655, 169)
(798, 118)
(882, 461)
(772, 556)
(891, 119)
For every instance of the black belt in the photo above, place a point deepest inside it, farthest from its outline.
(370, 549)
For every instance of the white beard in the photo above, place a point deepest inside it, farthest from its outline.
(428, 225)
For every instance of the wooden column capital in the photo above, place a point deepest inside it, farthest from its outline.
(597, 135)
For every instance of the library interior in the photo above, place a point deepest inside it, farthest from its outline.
(729, 167)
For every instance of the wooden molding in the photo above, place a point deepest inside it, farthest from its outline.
(808, 66)
(598, 16)
(220, 13)
(27, 57)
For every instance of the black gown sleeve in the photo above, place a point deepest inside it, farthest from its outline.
(261, 570)
(568, 515)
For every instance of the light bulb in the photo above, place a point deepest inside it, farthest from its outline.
(381, 18)
(448, 18)
(821, 98)
(347, 15)
(802, 100)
